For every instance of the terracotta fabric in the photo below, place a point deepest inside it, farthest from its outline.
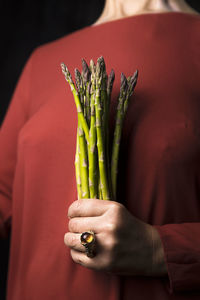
(159, 179)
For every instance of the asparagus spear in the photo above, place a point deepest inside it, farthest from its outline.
(126, 90)
(100, 142)
(111, 79)
(93, 102)
(99, 189)
(117, 133)
(79, 173)
(80, 86)
(83, 164)
(87, 101)
(104, 102)
(77, 168)
(81, 118)
(92, 151)
(86, 74)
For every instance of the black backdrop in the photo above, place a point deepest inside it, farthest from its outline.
(24, 25)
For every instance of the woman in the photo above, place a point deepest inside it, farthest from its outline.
(148, 244)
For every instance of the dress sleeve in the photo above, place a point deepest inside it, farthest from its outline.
(15, 118)
(181, 243)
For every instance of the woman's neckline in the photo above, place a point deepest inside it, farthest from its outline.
(146, 15)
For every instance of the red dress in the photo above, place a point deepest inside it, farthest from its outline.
(160, 159)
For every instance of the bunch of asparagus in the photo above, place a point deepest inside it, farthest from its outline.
(96, 175)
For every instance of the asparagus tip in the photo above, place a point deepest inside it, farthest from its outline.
(91, 62)
(66, 72)
(78, 79)
(85, 66)
(77, 73)
(63, 67)
(99, 68)
(135, 75)
(100, 59)
(102, 63)
(123, 82)
(85, 71)
(134, 80)
(83, 61)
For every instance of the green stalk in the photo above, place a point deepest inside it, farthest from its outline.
(86, 74)
(126, 90)
(83, 164)
(100, 190)
(92, 152)
(104, 99)
(117, 133)
(105, 122)
(81, 118)
(87, 102)
(77, 168)
(79, 85)
(111, 79)
(100, 142)
(93, 159)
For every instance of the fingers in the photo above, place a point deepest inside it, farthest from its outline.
(88, 208)
(79, 225)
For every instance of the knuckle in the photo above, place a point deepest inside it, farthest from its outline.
(119, 208)
(116, 208)
(74, 208)
(117, 213)
(111, 227)
(113, 205)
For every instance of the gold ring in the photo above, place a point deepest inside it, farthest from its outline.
(88, 241)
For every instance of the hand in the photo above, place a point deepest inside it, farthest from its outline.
(125, 245)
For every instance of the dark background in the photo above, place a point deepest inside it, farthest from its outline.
(24, 25)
